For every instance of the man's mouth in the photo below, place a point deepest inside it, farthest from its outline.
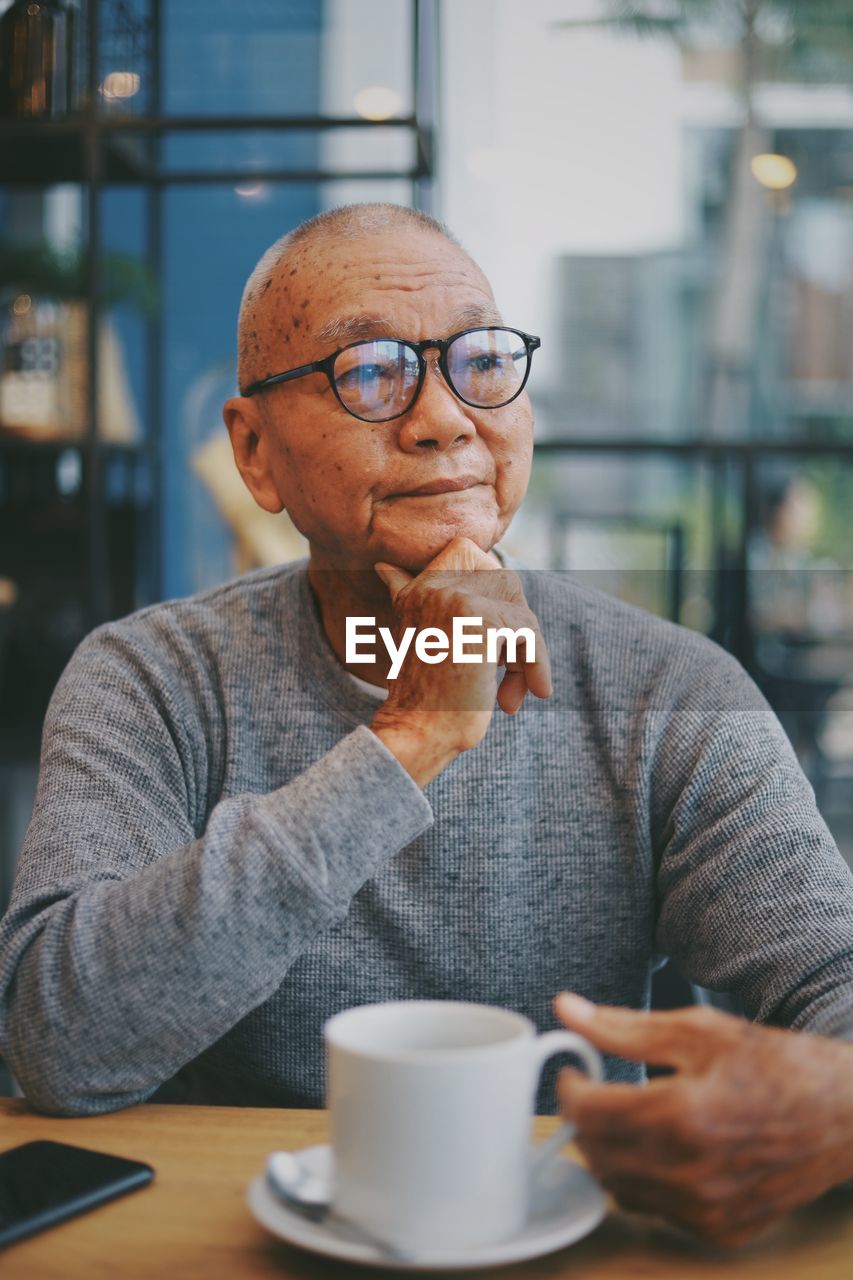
(441, 486)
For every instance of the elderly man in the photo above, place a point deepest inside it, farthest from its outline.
(236, 836)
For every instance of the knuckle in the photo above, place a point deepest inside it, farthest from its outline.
(704, 1017)
(712, 1212)
(457, 602)
(709, 1195)
(510, 581)
(623, 1190)
(716, 1229)
(720, 1222)
(691, 1128)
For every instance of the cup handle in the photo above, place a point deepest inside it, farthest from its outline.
(543, 1048)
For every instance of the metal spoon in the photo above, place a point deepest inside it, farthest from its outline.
(310, 1194)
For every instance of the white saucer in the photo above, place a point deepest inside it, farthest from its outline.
(567, 1205)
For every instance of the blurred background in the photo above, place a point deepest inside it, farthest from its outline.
(663, 191)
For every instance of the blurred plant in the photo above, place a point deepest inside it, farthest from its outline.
(768, 38)
(834, 487)
(772, 37)
(43, 271)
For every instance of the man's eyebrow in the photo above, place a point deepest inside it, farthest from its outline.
(346, 329)
(470, 316)
(354, 328)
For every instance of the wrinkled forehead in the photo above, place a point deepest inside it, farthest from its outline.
(406, 284)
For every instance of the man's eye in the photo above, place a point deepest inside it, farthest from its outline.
(485, 363)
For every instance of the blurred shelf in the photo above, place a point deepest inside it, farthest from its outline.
(80, 517)
(41, 155)
(51, 475)
(47, 152)
(11, 444)
(25, 445)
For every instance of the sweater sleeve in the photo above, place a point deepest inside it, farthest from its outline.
(134, 941)
(753, 895)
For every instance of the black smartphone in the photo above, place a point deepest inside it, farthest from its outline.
(42, 1183)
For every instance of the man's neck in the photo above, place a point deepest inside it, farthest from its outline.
(347, 593)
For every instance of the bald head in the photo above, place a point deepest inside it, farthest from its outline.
(276, 292)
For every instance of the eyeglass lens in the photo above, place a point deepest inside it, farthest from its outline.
(378, 380)
(487, 366)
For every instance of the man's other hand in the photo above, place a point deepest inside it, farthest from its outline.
(753, 1121)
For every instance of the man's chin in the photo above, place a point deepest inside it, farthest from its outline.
(414, 556)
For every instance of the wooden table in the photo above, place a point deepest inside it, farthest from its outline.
(192, 1222)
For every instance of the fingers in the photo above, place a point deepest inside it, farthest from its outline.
(601, 1108)
(394, 578)
(631, 1134)
(536, 670)
(461, 554)
(512, 692)
(678, 1038)
(538, 673)
(666, 1039)
(714, 1217)
(455, 578)
(640, 1195)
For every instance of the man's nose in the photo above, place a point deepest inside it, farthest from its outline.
(437, 420)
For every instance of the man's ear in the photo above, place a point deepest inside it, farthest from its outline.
(251, 450)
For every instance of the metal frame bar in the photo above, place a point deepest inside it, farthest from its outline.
(425, 19)
(230, 177)
(696, 448)
(672, 531)
(157, 123)
(97, 551)
(729, 461)
(154, 232)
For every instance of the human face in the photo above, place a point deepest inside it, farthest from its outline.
(396, 491)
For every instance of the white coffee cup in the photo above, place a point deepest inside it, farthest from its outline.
(430, 1107)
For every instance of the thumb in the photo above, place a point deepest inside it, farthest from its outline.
(573, 1089)
(394, 578)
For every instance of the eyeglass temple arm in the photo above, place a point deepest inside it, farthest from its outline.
(318, 366)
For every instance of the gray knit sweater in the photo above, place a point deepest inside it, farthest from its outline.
(222, 855)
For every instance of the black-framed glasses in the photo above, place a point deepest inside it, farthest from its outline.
(381, 378)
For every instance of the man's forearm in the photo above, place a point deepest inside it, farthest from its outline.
(422, 756)
(120, 982)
